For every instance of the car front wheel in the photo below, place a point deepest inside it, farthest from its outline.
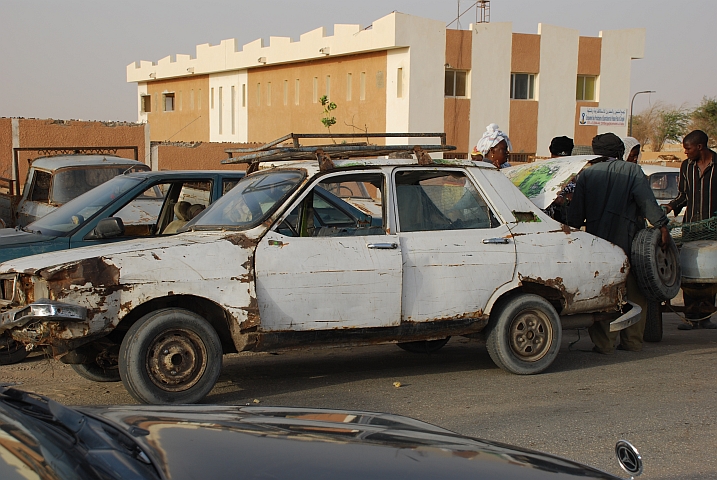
(11, 351)
(524, 334)
(170, 356)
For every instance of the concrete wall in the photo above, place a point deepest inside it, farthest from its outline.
(195, 156)
(556, 84)
(189, 122)
(619, 47)
(47, 133)
(490, 78)
(227, 107)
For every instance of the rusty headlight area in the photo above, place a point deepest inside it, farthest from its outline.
(18, 289)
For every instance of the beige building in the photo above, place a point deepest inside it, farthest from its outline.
(403, 73)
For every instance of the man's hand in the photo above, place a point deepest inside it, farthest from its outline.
(667, 208)
(665, 240)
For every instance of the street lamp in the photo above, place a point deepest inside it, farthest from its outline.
(631, 103)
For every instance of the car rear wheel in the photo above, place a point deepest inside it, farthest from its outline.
(170, 356)
(524, 334)
(657, 271)
(424, 346)
(11, 351)
(653, 322)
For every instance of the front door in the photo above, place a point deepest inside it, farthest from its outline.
(456, 251)
(330, 263)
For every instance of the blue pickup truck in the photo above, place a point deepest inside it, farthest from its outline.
(141, 204)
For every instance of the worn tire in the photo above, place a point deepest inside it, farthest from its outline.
(97, 373)
(658, 273)
(653, 322)
(170, 356)
(11, 351)
(524, 334)
(424, 346)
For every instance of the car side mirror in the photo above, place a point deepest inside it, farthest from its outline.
(107, 228)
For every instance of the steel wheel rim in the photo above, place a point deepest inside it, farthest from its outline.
(531, 334)
(666, 264)
(176, 360)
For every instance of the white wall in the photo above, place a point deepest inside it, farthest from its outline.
(490, 78)
(619, 47)
(556, 84)
(241, 116)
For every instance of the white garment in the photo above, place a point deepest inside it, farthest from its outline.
(492, 137)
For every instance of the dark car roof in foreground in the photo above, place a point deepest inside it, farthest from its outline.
(187, 173)
(63, 161)
(278, 442)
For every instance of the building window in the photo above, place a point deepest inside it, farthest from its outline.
(456, 83)
(286, 92)
(221, 104)
(180, 100)
(348, 87)
(243, 94)
(168, 100)
(199, 99)
(328, 86)
(296, 92)
(362, 86)
(258, 94)
(586, 88)
(146, 102)
(522, 86)
(191, 99)
(268, 94)
(399, 83)
(315, 97)
(211, 98)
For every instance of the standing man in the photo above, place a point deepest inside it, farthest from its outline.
(698, 190)
(612, 197)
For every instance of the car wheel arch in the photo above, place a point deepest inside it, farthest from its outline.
(552, 295)
(212, 312)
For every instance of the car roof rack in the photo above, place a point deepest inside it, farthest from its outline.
(278, 151)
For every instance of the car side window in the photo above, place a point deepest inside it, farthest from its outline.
(349, 205)
(141, 215)
(40, 187)
(431, 200)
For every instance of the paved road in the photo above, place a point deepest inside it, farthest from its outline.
(661, 399)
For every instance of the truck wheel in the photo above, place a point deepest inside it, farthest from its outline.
(11, 351)
(658, 272)
(170, 356)
(96, 372)
(425, 346)
(653, 322)
(524, 334)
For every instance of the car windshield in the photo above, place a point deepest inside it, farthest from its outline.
(76, 212)
(249, 203)
(70, 183)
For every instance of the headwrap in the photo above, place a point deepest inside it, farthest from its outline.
(630, 143)
(561, 146)
(492, 137)
(608, 145)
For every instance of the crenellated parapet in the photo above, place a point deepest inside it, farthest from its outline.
(383, 34)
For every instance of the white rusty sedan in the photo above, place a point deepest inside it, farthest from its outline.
(353, 252)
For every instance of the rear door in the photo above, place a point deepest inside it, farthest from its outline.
(456, 250)
(330, 263)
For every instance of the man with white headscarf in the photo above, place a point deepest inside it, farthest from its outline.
(494, 145)
(632, 150)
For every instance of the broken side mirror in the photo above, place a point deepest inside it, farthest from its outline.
(107, 228)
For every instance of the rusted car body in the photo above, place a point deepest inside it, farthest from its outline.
(278, 263)
(54, 181)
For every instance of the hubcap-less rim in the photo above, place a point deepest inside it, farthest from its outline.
(531, 335)
(176, 360)
(666, 263)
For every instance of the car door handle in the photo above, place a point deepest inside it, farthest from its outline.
(383, 246)
(500, 240)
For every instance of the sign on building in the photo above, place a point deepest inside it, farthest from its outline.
(602, 116)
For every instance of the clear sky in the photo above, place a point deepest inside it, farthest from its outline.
(66, 59)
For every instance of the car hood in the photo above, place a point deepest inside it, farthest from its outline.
(46, 260)
(208, 441)
(541, 181)
(11, 237)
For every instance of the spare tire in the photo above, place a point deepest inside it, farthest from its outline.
(657, 271)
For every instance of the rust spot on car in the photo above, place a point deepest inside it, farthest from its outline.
(240, 240)
(596, 274)
(102, 275)
(252, 315)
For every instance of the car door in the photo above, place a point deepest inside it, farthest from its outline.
(330, 263)
(456, 251)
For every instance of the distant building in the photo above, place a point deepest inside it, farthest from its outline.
(403, 73)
